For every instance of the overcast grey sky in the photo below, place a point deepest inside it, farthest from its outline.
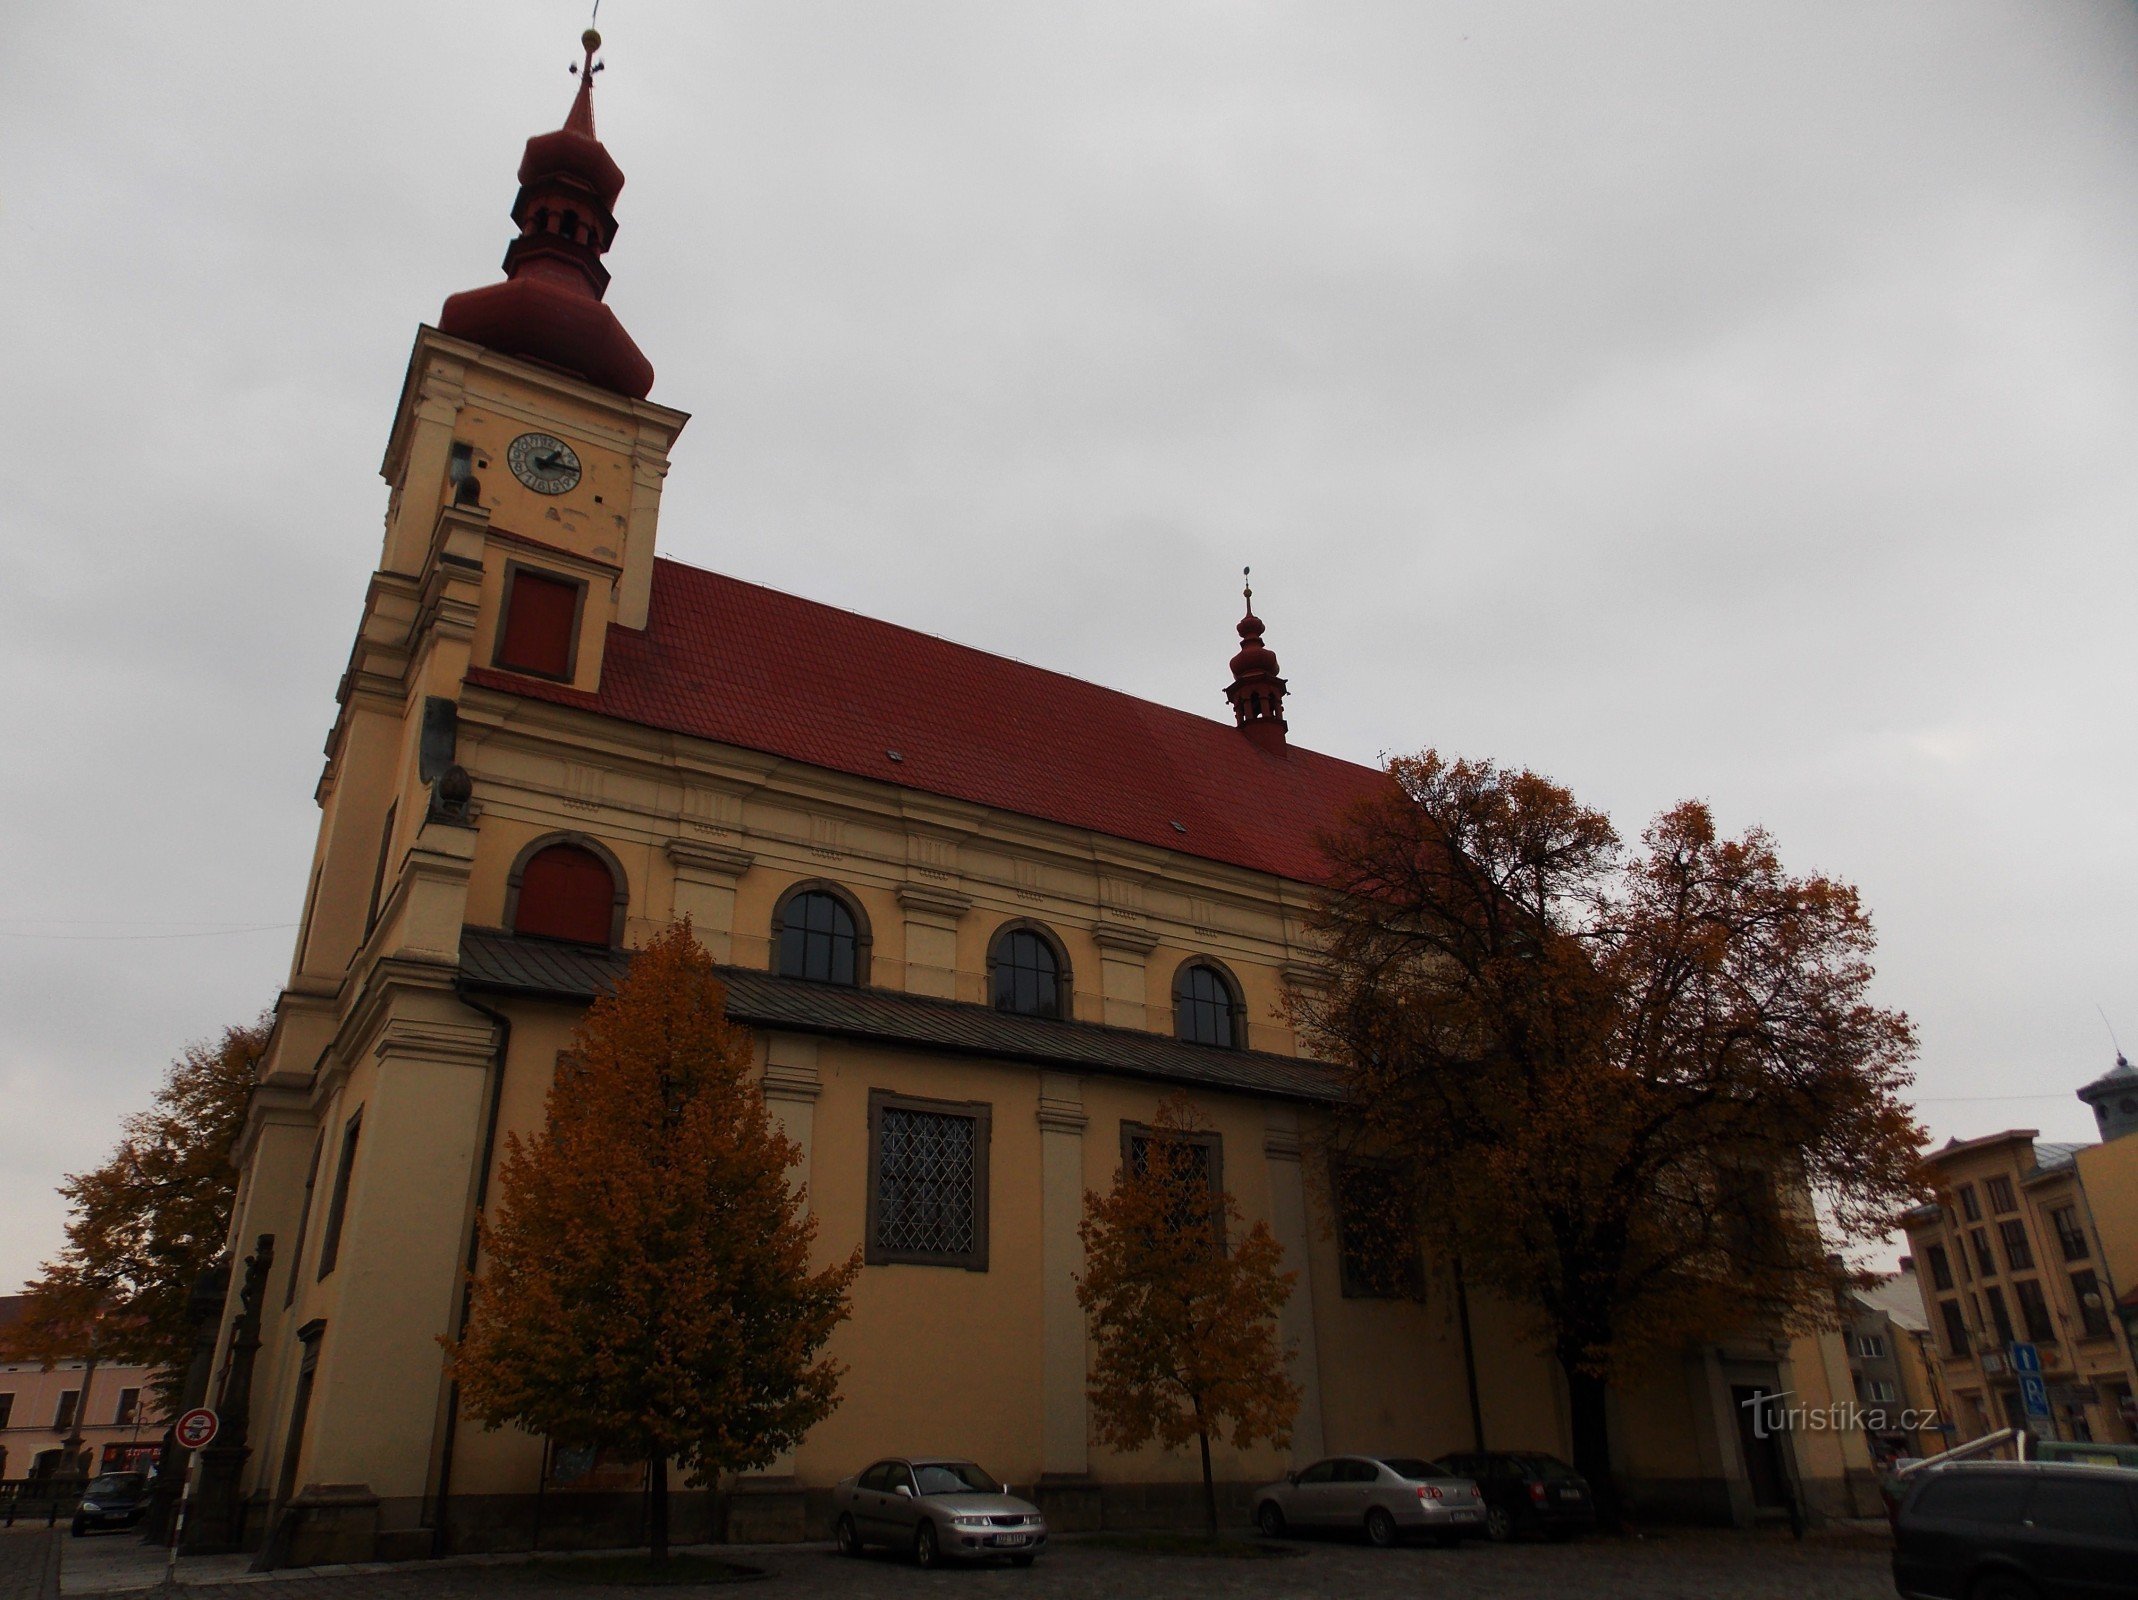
(1733, 401)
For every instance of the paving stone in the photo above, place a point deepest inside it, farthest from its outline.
(29, 1563)
(1677, 1566)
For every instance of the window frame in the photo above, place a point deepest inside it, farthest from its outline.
(1959, 1343)
(1970, 1208)
(620, 901)
(982, 1114)
(1064, 976)
(2030, 1298)
(2018, 1248)
(1998, 1190)
(1209, 1139)
(1940, 1265)
(1984, 1259)
(1351, 1283)
(127, 1411)
(1236, 1011)
(338, 1196)
(2070, 1233)
(864, 939)
(513, 568)
(2094, 1322)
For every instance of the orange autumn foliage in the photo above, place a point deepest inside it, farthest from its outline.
(647, 1285)
(1182, 1306)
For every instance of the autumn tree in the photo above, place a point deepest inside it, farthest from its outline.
(147, 1224)
(1182, 1304)
(1642, 1094)
(647, 1286)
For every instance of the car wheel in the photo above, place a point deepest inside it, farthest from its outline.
(847, 1537)
(926, 1553)
(2001, 1586)
(1499, 1526)
(1381, 1529)
(1021, 1561)
(1269, 1517)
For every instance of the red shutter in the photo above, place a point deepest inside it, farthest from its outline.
(566, 893)
(540, 612)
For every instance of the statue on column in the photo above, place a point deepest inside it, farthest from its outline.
(218, 1518)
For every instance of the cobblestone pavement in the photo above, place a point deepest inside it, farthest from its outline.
(1679, 1566)
(29, 1569)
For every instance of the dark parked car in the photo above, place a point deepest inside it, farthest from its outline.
(2017, 1530)
(116, 1500)
(1527, 1491)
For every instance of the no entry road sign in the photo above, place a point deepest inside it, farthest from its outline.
(196, 1429)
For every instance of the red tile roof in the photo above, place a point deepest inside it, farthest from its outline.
(749, 666)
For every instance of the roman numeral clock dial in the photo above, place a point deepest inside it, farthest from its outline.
(545, 464)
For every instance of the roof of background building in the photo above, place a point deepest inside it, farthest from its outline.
(2052, 1157)
(1900, 1297)
(504, 963)
(749, 666)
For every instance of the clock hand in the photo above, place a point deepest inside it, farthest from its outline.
(551, 462)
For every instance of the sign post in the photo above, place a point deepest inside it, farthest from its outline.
(2033, 1390)
(194, 1431)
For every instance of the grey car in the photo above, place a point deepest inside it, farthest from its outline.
(936, 1509)
(1383, 1497)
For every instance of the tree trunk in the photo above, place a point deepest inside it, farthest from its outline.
(657, 1519)
(1209, 1486)
(1586, 1394)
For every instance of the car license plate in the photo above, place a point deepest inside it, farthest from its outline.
(1570, 1494)
(1465, 1516)
(1006, 1539)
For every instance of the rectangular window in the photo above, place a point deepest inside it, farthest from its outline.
(2000, 1318)
(927, 1202)
(1206, 1157)
(539, 631)
(69, 1400)
(378, 873)
(338, 1203)
(2092, 1303)
(2018, 1254)
(1872, 1347)
(1376, 1235)
(1983, 1258)
(1956, 1339)
(2034, 1310)
(2000, 1191)
(7, 1409)
(128, 1411)
(1879, 1390)
(1940, 1267)
(304, 1218)
(2070, 1237)
(1968, 1206)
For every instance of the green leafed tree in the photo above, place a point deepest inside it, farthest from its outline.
(149, 1222)
(1183, 1305)
(646, 1286)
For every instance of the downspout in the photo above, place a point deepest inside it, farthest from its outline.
(1469, 1359)
(450, 1430)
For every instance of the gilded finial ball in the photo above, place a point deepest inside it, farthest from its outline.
(591, 40)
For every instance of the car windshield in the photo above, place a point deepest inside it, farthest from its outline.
(954, 1477)
(1412, 1467)
(115, 1483)
(1550, 1468)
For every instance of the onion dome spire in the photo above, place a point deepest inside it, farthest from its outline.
(549, 308)
(1256, 692)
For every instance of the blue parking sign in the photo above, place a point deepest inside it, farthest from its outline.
(2025, 1357)
(2034, 1394)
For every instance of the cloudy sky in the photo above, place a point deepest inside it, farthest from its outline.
(1686, 399)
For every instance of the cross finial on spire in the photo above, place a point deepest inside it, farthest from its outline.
(1247, 587)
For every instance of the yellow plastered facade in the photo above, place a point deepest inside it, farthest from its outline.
(389, 1088)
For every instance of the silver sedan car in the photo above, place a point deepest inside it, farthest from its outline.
(936, 1509)
(1384, 1497)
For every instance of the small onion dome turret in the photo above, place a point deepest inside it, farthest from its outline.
(1256, 691)
(549, 308)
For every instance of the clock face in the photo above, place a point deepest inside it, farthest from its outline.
(546, 465)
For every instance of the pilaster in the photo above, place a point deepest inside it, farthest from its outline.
(1295, 1323)
(1064, 1449)
(705, 891)
(932, 917)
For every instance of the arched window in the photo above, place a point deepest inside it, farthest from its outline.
(1206, 1006)
(567, 888)
(819, 934)
(1027, 972)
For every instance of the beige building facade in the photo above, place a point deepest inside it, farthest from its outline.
(981, 919)
(2036, 1243)
(76, 1419)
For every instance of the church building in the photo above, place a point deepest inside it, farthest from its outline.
(981, 919)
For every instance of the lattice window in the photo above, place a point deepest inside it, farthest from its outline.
(928, 1182)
